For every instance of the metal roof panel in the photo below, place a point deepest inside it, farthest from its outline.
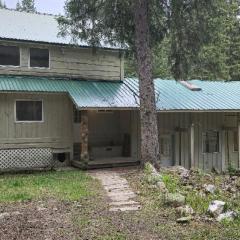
(35, 27)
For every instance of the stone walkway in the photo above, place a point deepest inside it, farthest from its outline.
(121, 196)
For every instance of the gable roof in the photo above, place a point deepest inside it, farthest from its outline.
(34, 27)
(170, 95)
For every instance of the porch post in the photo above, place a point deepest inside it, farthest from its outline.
(223, 148)
(239, 144)
(84, 137)
(192, 145)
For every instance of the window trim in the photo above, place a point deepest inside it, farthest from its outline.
(27, 100)
(20, 57)
(219, 143)
(29, 59)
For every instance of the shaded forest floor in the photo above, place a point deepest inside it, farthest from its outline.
(71, 205)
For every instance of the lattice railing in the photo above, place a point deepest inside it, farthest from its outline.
(29, 158)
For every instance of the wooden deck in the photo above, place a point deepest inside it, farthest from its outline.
(108, 163)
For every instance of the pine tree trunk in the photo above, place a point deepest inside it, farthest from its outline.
(148, 114)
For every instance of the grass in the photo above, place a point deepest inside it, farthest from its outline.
(92, 219)
(69, 185)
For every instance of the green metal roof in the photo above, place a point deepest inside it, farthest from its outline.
(170, 95)
(85, 94)
(173, 96)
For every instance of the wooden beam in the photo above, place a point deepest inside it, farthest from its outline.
(192, 146)
(84, 137)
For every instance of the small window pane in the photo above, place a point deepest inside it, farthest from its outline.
(9, 56)
(39, 57)
(29, 110)
(211, 142)
(165, 146)
(235, 141)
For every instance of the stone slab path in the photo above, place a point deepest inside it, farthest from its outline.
(121, 196)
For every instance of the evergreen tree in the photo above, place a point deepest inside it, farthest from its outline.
(2, 4)
(26, 6)
(142, 25)
(233, 33)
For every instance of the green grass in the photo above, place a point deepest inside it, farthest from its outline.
(69, 185)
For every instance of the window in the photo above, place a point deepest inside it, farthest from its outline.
(29, 111)
(9, 56)
(235, 141)
(211, 142)
(39, 58)
(165, 146)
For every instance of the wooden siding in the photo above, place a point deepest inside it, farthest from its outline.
(179, 125)
(54, 132)
(72, 62)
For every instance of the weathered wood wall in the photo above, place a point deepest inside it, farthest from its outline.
(178, 125)
(54, 132)
(73, 62)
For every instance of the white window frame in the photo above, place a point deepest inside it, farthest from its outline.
(218, 142)
(29, 59)
(20, 57)
(27, 100)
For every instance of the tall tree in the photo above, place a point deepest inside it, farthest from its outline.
(26, 6)
(233, 33)
(2, 4)
(141, 25)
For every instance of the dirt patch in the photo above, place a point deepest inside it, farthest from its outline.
(47, 219)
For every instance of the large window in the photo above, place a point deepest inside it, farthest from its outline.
(29, 111)
(39, 57)
(211, 142)
(9, 56)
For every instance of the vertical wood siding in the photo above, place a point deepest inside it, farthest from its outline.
(81, 63)
(55, 131)
(178, 125)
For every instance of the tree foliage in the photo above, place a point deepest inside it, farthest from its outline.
(217, 58)
(26, 6)
(2, 4)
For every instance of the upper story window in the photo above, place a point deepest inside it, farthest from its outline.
(211, 142)
(9, 56)
(39, 57)
(29, 111)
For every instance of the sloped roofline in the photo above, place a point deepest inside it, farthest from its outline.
(39, 28)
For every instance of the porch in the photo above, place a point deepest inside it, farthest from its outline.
(105, 138)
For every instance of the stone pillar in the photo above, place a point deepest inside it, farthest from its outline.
(84, 137)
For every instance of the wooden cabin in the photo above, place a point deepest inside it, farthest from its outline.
(63, 104)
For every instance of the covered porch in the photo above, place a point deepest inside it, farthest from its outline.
(105, 138)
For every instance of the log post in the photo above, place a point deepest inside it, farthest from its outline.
(84, 137)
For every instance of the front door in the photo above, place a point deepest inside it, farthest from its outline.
(166, 150)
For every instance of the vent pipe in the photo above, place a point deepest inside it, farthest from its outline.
(190, 86)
